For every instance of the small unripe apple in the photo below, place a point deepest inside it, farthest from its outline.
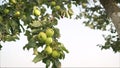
(48, 49)
(24, 17)
(6, 11)
(84, 5)
(57, 7)
(42, 36)
(55, 54)
(48, 40)
(13, 1)
(53, 3)
(36, 12)
(49, 32)
(17, 13)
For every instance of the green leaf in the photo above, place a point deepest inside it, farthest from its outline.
(38, 58)
(10, 38)
(36, 24)
(63, 47)
(28, 34)
(0, 46)
(47, 63)
(35, 31)
(31, 44)
(62, 55)
(56, 64)
(57, 32)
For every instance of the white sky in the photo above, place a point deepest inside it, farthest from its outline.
(80, 41)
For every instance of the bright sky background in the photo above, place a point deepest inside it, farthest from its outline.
(80, 41)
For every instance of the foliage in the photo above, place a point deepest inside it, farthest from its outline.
(36, 19)
(35, 16)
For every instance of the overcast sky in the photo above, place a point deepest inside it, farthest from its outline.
(80, 41)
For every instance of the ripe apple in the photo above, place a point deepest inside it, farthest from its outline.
(6, 11)
(17, 13)
(55, 54)
(48, 40)
(49, 32)
(36, 12)
(13, 1)
(48, 49)
(42, 36)
(53, 3)
(57, 7)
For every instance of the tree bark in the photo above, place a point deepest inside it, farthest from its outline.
(113, 11)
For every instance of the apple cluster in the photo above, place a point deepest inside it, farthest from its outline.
(40, 24)
(56, 7)
(46, 37)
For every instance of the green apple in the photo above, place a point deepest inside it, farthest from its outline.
(24, 17)
(13, 1)
(57, 7)
(49, 32)
(55, 54)
(6, 11)
(36, 12)
(48, 40)
(48, 49)
(17, 13)
(42, 36)
(53, 3)
(84, 5)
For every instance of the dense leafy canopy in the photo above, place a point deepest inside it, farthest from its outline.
(35, 17)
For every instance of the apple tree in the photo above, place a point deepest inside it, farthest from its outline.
(37, 20)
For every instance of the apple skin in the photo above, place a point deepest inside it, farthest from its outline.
(48, 40)
(49, 32)
(57, 7)
(13, 1)
(48, 49)
(53, 3)
(42, 36)
(6, 11)
(36, 12)
(17, 14)
(55, 54)
(84, 5)
(24, 17)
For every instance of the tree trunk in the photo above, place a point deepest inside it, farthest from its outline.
(113, 12)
